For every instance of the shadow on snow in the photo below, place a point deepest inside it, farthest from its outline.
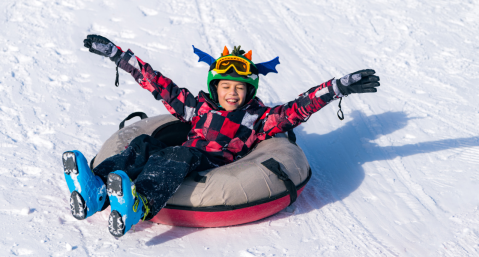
(336, 158)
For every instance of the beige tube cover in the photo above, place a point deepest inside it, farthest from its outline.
(241, 182)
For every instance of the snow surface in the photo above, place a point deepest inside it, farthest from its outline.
(397, 177)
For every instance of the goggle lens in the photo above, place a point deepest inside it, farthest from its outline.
(240, 66)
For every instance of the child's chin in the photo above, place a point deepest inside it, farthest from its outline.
(231, 107)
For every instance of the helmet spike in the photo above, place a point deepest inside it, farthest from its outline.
(225, 51)
(249, 55)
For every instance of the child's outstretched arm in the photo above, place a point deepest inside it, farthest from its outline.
(179, 101)
(285, 117)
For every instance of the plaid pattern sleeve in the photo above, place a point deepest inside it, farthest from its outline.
(285, 117)
(178, 101)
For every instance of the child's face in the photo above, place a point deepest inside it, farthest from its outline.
(231, 94)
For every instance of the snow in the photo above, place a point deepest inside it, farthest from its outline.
(397, 177)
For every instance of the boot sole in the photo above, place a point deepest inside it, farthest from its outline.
(70, 163)
(78, 206)
(114, 185)
(116, 226)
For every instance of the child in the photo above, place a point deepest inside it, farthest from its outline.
(226, 124)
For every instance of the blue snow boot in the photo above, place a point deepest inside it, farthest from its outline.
(127, 206)
(88, 192)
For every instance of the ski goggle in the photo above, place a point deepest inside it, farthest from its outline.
(241, 66)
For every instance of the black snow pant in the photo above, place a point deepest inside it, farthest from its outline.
(156, 169)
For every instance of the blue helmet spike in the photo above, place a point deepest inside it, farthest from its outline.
(267, 67)
(204, 57)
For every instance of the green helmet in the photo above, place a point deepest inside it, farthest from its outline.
(236, 66)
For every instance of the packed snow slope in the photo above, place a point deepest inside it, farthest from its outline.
(397, 177)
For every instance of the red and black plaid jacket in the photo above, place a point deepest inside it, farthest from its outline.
(226, 136)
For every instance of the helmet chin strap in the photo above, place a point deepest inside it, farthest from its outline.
(214, 91)
(250, 94)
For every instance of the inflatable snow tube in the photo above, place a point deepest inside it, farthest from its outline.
(262, 183)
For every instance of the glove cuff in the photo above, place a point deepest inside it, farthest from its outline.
(336, 88)
(115, 57)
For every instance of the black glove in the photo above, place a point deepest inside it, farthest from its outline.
(362, 81)
(102, 46)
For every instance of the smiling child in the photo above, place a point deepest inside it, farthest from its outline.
(225, 124)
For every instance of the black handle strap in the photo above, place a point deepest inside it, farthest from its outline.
(274, 167)
(291, 136)
(198, 178)
(341, 117)
(142, 115)
(91, 163)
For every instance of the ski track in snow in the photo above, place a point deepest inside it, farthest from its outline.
(397, 177)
